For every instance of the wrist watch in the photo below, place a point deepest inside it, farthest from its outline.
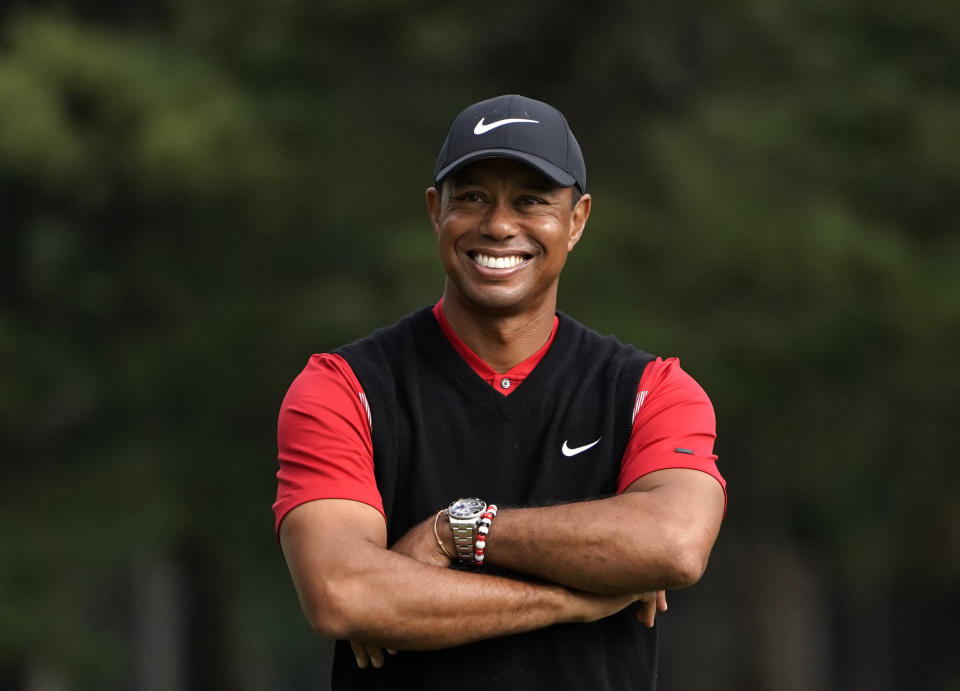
(464, 515)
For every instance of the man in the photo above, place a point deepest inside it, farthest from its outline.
(599, 456)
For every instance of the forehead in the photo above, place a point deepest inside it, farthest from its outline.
(503, 171)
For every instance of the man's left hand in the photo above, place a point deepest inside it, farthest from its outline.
(420, 542)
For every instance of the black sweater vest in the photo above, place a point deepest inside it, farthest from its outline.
(441, 432)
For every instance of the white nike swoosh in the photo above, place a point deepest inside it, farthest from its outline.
(567, 451)
(481, 127)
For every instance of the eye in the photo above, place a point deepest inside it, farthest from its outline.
(470, 197)
(530, 199)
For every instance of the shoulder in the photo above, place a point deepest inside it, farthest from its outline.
(667, 393)
(321, 368)
(326, 378)
(666, 378)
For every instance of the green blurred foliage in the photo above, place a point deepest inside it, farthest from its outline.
(196, 196)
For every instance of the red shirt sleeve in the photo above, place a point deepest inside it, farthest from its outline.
(323, 438)
(674, 426)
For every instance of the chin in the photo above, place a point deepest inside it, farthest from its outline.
(502, 302)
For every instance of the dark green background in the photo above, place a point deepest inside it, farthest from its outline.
(196, 196)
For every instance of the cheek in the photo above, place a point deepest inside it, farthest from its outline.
(557, 237)
(445, 238)
(450, 232)
(446, 248)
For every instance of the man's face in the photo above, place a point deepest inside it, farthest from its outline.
(503, 234)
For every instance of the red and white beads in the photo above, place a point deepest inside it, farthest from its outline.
(483, 529)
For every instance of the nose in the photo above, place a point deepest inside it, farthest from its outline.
(499, 223)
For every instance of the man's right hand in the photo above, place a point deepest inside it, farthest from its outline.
(369, 654)
(648, 605)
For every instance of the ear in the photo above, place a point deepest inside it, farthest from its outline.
(578, 220)
(433, 208)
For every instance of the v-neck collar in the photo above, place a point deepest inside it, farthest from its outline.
(505, 383)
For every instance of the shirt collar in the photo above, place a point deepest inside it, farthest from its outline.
(505, 382)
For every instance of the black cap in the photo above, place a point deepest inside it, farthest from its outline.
(516, 127)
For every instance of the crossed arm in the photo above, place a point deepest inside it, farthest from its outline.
(596, 556)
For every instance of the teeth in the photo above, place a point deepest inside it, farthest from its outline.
(497, 262)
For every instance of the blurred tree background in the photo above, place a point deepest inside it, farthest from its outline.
(194, 197)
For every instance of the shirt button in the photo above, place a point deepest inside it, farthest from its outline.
(505, 383)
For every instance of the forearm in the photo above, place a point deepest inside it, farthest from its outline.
(402, 604)
(393, 600)
(633, 542)
(584, 545)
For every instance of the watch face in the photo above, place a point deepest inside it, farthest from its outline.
(467, 508)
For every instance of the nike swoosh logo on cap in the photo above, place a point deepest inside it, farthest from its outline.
(481, 127)
(567, 451)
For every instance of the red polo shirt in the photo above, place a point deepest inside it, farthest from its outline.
(326, 450)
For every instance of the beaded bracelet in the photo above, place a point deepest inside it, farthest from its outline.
(483, 528)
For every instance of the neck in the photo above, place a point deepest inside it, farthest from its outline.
(502, 340)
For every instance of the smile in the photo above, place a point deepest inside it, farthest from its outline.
(489, 262)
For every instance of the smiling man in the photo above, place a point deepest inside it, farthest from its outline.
(397, 450)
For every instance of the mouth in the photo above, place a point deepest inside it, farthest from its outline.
(489, 261)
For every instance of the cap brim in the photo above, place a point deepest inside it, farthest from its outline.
(554, 173)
